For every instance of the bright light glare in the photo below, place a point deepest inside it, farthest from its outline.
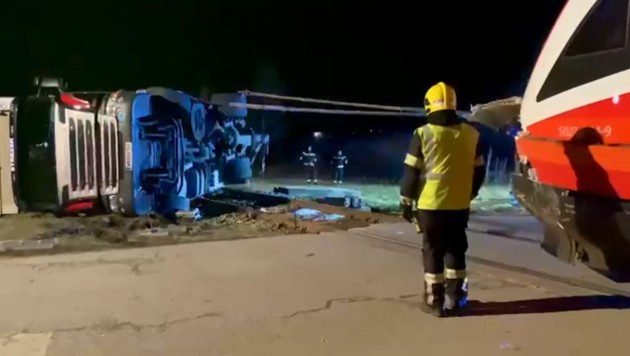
(615, 99)
(317, 134)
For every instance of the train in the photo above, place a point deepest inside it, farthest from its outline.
(573, 172)
(128, 152)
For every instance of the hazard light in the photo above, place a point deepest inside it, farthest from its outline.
(70, 100)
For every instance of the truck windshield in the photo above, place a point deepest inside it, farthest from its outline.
(36, 153)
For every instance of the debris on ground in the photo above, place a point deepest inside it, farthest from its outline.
(30, 233)
(316, 215)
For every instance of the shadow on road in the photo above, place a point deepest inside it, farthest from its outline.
(547, 305)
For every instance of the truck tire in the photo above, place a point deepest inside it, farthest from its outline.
(239, 170)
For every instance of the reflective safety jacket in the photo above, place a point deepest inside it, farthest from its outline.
(440, 166)
(308, 158)
(339, 161)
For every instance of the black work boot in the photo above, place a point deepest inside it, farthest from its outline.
(456, 296)
(433, 299)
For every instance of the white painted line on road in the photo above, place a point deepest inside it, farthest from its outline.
(25, 344)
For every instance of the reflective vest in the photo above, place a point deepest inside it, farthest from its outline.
(340, 161)
(449, 154)
(308, 158)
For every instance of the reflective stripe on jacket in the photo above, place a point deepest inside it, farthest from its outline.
(308, 158)
(340, 161)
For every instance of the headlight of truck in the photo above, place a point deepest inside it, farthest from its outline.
(113, 203)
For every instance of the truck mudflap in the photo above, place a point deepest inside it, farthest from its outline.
(579, 227)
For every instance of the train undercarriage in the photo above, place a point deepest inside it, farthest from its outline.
(579, 227)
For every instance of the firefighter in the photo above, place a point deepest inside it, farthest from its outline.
(309, 160)
(444, 170)
(339, 162)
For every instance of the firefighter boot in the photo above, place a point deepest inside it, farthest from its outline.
(433, 299)
(456, 296)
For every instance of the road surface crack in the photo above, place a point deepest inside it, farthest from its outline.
(109, 325)
(331, 302)
(134, 264)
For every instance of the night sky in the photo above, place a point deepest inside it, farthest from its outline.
(390, 53)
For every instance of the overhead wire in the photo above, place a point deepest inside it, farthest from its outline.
(323, 111)
(333, 102)
(388, 110)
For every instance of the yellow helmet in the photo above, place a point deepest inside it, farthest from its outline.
(440, 97)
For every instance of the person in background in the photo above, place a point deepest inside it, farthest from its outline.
(309, 161)
(444, 170)
(339, 162)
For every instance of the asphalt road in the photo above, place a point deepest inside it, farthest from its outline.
(343, 293)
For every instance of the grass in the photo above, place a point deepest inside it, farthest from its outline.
(385, 197)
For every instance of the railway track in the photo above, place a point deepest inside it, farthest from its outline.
(574, 282)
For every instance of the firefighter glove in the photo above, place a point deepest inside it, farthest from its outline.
(406, 205)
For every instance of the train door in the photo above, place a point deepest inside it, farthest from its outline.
(80, 151)
(109, 159)
(7, 158)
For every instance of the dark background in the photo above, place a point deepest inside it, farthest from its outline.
(386, 52)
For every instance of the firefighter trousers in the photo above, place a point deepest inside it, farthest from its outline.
(444, 246)
(311, 174)
(338, 178)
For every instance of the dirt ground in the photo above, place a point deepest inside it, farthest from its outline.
(28, 234)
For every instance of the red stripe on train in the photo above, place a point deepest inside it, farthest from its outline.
(612, 184)
(611, 117)
(597, 169)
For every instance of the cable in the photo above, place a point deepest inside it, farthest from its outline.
(333, 102)
(323, 111)
(400, 109)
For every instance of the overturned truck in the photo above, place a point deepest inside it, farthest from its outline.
(126, 152)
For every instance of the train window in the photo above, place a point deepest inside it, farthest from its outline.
(113, 154)
(81, 149)
(598, 49)
(604, 29)
(106, 157)
(90, 154)
(72, 144)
